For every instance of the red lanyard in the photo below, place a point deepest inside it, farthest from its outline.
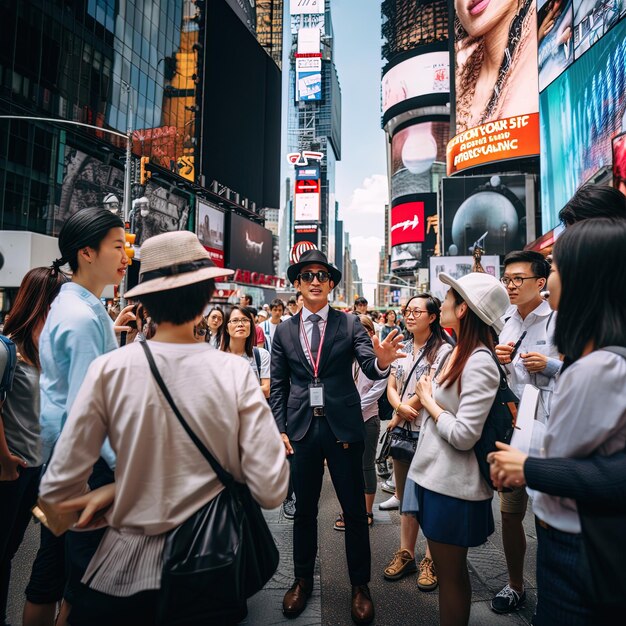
(316, 364)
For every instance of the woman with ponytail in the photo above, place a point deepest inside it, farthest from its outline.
(77, 331)
(427, 346)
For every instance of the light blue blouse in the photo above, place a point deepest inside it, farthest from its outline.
(77, 331)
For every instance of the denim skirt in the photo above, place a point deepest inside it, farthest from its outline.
(449, 520)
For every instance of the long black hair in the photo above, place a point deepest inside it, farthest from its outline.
(250, 339)
(438, 335)
(85, 229)
(589, 257)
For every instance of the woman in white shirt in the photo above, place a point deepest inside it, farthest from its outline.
(426, 348)
(161, 477)
(239, 339)
(588, 412)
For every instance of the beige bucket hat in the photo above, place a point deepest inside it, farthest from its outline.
(483, 293)
(174, 260)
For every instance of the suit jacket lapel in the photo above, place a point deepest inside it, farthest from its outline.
(332, 326)
(294, 326)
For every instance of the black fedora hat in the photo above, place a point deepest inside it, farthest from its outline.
(309, 257)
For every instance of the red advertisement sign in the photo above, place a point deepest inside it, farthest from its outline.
(407, 223)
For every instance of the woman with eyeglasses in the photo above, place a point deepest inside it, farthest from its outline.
(426, 347)
(390, 324)
(239, 339)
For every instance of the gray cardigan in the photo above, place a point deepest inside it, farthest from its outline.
(444, 461)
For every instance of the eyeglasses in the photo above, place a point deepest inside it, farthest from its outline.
(242, 320)
(307, 277)
(517, 281)
(416, 313)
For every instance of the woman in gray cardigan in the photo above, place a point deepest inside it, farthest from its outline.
(445, 487)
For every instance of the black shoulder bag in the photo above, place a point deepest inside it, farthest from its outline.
(400, 442)
(499, 424)
(223, 554)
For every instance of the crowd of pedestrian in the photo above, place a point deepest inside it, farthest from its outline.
(111, 442)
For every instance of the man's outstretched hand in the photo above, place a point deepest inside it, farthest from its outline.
(389, 350)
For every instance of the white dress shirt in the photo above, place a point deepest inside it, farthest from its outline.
(308, 329)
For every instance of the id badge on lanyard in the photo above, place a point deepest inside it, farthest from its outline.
(316, 388)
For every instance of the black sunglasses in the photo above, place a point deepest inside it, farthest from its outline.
(307, 277)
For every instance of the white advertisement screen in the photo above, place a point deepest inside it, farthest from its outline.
(418, 76)
(457, 266)
(307, 207)
(309, 40)
(306, 7)
(308, 79)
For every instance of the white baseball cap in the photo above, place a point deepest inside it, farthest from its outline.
(483, 293)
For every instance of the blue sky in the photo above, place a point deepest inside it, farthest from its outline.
(361, 184)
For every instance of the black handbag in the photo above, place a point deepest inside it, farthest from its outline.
(499, 425)
(223, 554)
(401, 442)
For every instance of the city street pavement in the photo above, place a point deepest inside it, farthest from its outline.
(396, 602)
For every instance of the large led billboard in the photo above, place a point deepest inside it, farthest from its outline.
(210, 231)
(306, 7)
(414, 150)
(581, 112)
(592, 20)
(407, 222)
(619, 163)
(249, 246)
(496, 112)
(555, 39)
(308, 79)
(420, 75)
(309, 40)
(413, 240)
(487, 208)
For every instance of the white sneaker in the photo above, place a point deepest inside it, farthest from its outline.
(388, 486)
(390, 505)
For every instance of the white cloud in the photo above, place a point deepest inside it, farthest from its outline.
(370, 198)
(366, 252)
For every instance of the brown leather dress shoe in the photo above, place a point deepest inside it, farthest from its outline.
(296, 598)
(362, 605)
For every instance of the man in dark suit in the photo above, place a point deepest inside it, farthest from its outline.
(318, 412)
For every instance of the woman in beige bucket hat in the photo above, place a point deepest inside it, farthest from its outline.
(161, 477)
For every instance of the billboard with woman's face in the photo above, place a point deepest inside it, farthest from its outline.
(497, 104)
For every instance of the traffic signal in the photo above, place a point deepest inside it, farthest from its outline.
(128, 246)
(144, 173)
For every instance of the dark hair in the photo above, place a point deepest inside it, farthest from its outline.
(360, 300)
(298, 294)
(592, 201)
(472, 332)
(395, 315)
(248, 298)
(437, 337)
(85, 229)
(538, 264)
(38, 289)
(220, 330)
(590, 260)
(180, 305)
(252, 310)
(277, 302)
(250, 339)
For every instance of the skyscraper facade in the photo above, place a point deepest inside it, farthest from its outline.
(313, 125)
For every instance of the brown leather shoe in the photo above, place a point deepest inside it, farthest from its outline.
(362, 605)
(296, 598)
